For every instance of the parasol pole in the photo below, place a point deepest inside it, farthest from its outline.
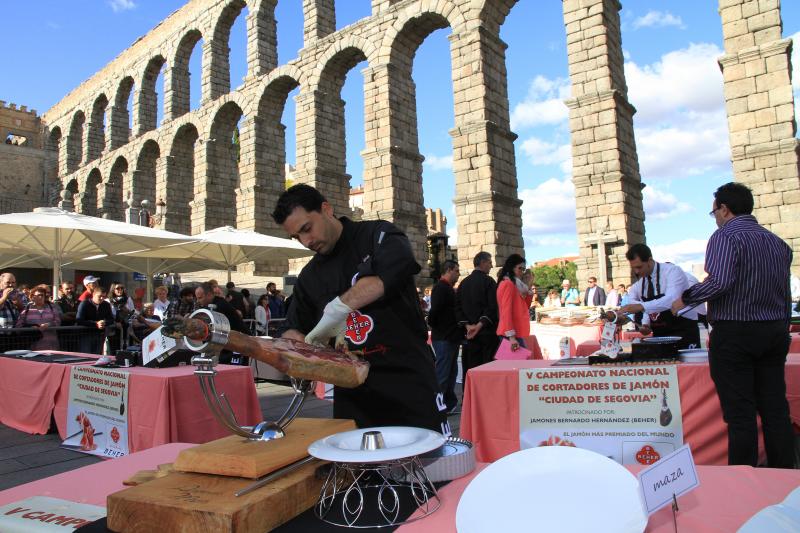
(56, 263)
(149, 296)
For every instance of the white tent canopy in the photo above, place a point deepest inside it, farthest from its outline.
(229, 247)
(49, 236)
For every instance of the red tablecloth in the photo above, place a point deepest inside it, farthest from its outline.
(28, 392)
(795, 346)
(490, 413)
(166, 404)
(706, 509)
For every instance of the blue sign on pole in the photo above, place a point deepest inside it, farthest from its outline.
(139, 277)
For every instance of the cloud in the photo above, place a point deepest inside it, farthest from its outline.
(541, 152)
(53, 25)
(543, 105)
(452, 233)
(122, 5)
(439, 162)
(658, 19)
(683, 253)
(683, 80)
(548, 209)
(659, 205)
(680, 126)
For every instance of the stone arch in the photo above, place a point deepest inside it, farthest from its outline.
(177, 94)
(87, 203)
(284, 71)
(493, 13)
(339, 58)
(75, 142)
(120, 130)
(73, 187)
(180, 179)
(95, 138)
(143, 182)
(146, 106)
(217, 78)
(223, 161)
(445, 9)
(109, 192)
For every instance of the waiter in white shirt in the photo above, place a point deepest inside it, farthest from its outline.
(652, 295)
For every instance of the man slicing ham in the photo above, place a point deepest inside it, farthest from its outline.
(360, 285)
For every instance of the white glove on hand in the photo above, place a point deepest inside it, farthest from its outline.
(332, 323)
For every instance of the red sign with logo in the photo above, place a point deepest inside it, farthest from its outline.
(115, 434)
(647, 455)
(358, 327)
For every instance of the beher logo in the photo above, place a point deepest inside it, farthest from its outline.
(115, 435)
(647, 455)
(358, 327)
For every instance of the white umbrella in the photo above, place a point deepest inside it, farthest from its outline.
(53, 235)
(229, 247)
(146, 265)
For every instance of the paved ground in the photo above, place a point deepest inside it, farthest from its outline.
(25, 458)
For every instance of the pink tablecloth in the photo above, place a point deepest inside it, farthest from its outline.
(167, 405)
(28, 393)
(490, 413)
(706, 509)
(794, 348)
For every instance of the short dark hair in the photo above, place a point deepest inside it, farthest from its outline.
(186, 291)
(480, 257)
(208, 287)
(230, 285)
(736, 197)
(449, 265)
(642, 251)
(592, 278)
(272, 283)
(245, 293)
(301, 195)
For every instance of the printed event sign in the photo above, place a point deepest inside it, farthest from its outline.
(631, 414)
(156, 344)
(97, 419)
(673, 475)
(42, 513)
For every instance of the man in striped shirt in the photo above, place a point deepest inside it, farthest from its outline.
(747, 290)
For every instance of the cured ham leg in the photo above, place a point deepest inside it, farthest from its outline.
(297, 359)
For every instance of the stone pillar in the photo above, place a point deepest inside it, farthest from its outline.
(95, 141)
(174, 106)
(216, 70)
(757, 70)
(605, 168)
(108, 197)
(170, 178)
(320, 147)
(144, 108)
(488, 210)
(319, 20)
(199, 205)
(262, 39)
(392, 162)
(119, 130)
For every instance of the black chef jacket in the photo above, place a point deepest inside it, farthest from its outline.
(401, 387)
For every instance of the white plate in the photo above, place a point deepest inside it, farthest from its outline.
(17, 352)
(552, 488)
(401, 442)
(693, 355)
(660, 340)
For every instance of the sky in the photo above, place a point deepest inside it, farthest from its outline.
(671, 49)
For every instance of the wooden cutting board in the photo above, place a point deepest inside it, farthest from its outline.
(239, 457)
(200, 503)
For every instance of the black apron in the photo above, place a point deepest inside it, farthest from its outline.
(664, 323)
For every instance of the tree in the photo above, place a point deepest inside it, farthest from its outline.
(548, 277)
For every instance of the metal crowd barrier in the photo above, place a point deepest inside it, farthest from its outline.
(67, 338)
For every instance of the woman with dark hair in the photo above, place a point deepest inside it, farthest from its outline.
(513, 301)
(40, 313)
(122, 305)
(262, 315)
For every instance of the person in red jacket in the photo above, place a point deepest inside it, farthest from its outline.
(513, 301)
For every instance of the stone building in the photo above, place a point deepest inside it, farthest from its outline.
(192, 162)
(27, 171)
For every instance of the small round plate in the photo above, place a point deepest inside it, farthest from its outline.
(17, 352)
(401, 442)
(660, 340)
